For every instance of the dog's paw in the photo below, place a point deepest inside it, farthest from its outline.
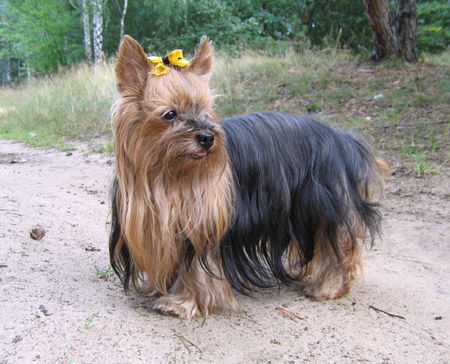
(326, 290)
(174, 306)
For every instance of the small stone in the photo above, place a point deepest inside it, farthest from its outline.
(44, 310)
(37, 233)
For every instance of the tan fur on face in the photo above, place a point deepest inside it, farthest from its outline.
(168, 201)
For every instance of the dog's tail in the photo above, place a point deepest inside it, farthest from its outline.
(382, 165)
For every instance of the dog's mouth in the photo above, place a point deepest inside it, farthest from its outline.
(200, 155)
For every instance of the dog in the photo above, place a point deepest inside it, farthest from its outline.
(202, 206)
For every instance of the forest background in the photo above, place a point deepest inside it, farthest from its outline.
(38, 37)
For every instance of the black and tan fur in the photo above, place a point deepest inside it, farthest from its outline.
(271, 197)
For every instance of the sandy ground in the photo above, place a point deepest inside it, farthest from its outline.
(56, 309)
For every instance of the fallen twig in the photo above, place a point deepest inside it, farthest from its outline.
(404, 125)
(387, 313)
(288, 314)
(187, 343)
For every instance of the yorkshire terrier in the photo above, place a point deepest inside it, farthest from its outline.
(202, 206)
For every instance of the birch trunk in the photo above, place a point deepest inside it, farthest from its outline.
(97, 20)
(28, 73)
(123, 12)
(86, 31)
(7, 74)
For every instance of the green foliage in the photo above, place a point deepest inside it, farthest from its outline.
(41, 33)
(184, 22)
(242, 23)
(341, 21)
(433, 32)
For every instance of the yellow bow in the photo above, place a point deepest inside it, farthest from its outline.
(175, 58)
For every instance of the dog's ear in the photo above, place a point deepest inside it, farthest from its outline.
(132, 66)
(201, 64)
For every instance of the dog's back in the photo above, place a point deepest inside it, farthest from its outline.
(298, 181)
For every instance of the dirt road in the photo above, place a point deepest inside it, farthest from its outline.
(59, 306)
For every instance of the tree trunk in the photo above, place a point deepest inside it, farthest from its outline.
(28, 72)
(123, 12)
(86, 31)
(7, 74)
(97, 20)
(393, 37)
(380, 22)
(406, 27)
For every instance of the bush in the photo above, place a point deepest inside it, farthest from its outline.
(433, 33)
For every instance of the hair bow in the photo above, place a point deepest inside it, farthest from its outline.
(174, 58)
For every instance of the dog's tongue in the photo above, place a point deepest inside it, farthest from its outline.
(201, 154)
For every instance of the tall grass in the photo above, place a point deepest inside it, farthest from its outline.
(257, 81)
(72, 104)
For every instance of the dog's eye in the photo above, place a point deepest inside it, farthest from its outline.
(170, 115)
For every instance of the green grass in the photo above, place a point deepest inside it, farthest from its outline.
(440, 59)
(102, 148)
(52, 111)
(257, 81)
(331, 84)
(420, 159)
(103, 273)
(90, 321)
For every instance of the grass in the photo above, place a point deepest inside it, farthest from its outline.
(103, 273)
(102, 148)
(441, 59)
(72, 104)
(376, 99)
(257, 81)
(420, 159)
(331, 84)
(90, 321)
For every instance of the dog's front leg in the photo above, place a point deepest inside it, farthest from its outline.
(196, 293)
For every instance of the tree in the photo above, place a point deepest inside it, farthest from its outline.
(97, 21)
(86, 31)
(41, 35)
(122, 12)
(393, 36)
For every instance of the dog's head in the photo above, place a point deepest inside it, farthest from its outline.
(166, 120)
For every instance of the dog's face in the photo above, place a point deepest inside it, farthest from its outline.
(166, 121)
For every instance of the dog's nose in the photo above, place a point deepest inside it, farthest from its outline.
(205, 139)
